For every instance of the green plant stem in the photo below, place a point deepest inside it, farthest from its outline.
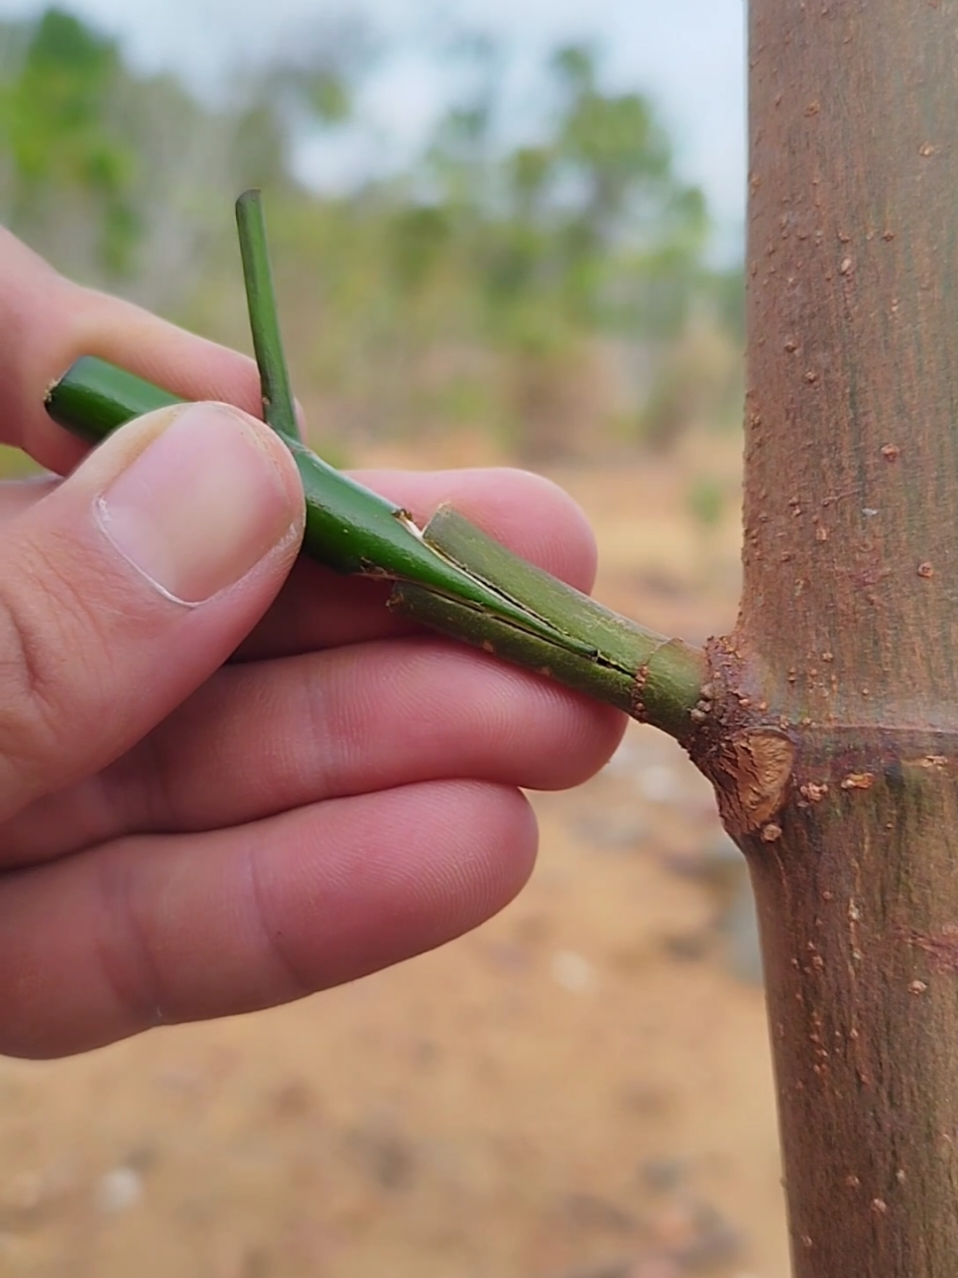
(452, 577)
(279, 405)
(348, 528)
(653, 678)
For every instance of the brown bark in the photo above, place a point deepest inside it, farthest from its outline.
(836, 749)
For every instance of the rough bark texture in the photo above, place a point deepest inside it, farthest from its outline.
(845, 663)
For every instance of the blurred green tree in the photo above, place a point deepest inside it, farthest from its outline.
(59, 140)
(586, 232)
(126, 179)
(544, 287)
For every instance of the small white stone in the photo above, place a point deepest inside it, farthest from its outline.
(659, 784)
(119, 1190)
(573, 972)
(624, 762)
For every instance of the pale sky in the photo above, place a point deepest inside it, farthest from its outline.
(688, 55)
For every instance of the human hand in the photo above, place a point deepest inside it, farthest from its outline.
(184, 835)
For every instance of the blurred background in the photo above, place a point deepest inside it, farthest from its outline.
(501, 234)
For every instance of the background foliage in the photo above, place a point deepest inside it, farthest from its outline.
(554, 293)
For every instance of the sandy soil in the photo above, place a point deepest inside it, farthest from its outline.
(581, 1088)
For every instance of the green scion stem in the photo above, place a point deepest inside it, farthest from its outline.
(451, 576)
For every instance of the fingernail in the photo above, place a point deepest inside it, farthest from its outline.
(199, 507)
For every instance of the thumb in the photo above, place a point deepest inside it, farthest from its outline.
(130, 583)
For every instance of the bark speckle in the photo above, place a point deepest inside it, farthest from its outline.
(941, 948)
(858, 781)
(814, 792)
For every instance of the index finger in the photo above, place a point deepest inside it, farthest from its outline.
(47, 322)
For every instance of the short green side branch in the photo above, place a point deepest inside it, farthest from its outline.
(279, 406)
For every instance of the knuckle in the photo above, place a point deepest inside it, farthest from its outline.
(42, 619)
(26, 698)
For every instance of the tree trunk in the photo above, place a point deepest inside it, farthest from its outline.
(843, 673)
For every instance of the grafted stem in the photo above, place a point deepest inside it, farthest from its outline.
(451, 577)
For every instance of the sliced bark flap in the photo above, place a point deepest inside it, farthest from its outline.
(752, 774)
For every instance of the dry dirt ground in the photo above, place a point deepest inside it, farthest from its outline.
(581, 1088)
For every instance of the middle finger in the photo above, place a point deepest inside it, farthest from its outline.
(266, 737)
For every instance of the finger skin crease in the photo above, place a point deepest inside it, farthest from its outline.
(148, 792)
(21, 679)
(30, 718)
(127, 963)
(295, 983)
